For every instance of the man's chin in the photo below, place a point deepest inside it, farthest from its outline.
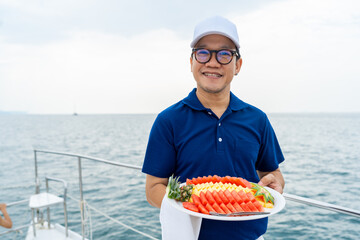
(213, 90)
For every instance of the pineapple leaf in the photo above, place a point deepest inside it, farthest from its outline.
(173, 188)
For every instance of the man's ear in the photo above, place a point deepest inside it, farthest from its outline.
(238, 66)
(191, 63)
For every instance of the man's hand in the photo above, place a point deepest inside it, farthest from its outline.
(274, 180)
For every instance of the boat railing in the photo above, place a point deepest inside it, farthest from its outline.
(19, 228)
(83, 204)
(80, 158)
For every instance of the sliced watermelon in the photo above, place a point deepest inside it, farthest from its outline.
(245, 183)
(210, 208)
(236, 196)
(196, 199)
(258, 206)
(217, 197)
(223, 197)
(223, 207)
(229, 196)
(237, 207)
(202, 209)
(209, 197)
(250, 197)
(190, 206)
(245, 207)
(243, 196)
(252, 207)
(217, 208)
(231, 207)
(203, 198)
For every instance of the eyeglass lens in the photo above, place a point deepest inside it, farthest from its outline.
(222, 56)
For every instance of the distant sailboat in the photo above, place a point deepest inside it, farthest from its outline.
(75, 113)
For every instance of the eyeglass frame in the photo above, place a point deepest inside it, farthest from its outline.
(233, 52)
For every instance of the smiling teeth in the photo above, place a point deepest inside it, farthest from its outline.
(212, 75)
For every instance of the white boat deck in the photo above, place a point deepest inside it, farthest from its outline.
(56, 232)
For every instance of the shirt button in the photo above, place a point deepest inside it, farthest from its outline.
(219, 124)
(220, 139)
(209, 113)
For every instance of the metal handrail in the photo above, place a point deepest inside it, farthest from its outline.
(47, 179)
(17, 202)
(79, 157)
(17, 228)
(90, 158)
(324, 205)
(14, 229)
(291, 197)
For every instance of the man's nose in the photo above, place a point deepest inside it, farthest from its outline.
(213, 61)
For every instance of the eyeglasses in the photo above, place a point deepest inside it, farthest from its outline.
(223, 56)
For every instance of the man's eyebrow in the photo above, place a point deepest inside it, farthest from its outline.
(201, 46)
(222, 47)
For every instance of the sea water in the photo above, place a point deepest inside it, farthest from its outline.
(322, 154)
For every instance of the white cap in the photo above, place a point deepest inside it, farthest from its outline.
(216, 25)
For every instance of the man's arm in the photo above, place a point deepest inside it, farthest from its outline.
(155, 189)
(274, 180)
(7, 223)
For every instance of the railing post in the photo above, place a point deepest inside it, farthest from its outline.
(37, 183)
(82, 207)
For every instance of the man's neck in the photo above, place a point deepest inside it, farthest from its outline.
(217, 102)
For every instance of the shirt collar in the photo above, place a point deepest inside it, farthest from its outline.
(193, 102)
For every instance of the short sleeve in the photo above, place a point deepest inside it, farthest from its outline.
(270, 154)
(160, 156)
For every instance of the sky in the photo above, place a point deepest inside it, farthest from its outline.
(108, 56)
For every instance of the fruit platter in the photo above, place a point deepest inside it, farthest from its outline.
(223, 198)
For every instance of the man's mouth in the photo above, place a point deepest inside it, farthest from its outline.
(217, 75)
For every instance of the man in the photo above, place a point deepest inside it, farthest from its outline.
(6, 221)
(213, 132)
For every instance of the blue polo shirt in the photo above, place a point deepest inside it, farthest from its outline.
(189, 140)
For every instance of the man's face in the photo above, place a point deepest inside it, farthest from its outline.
(213, 77)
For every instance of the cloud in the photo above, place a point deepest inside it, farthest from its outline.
(97, 72)
(301, 56)
(298, 56)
